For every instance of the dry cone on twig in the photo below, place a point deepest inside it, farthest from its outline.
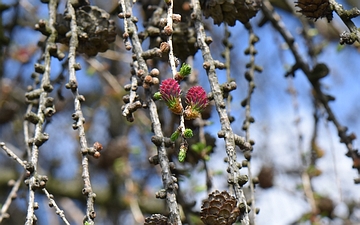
(229, 11)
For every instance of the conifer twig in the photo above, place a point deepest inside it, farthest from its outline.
(275, 20)
(11, 196)
(43, 111)
(140, 67)
(79, 117)
(226, 132)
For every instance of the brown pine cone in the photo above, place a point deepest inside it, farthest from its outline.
(95, 30)
(315, 9)
(156, 219)
(219, 209)
(229, 11)
(266, 177)
(184, 37)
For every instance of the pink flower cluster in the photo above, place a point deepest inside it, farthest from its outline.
(196, 99)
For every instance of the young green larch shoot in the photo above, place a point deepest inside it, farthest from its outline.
(188, 133)
(185, 71)
(175, 135)
(182, 153)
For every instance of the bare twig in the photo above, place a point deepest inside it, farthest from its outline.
(170, 28)
(132, 105)
(15, 188)
(11, 196)
(26, 131)
(275, 20)
(52, 203)
(11, 154)
(172, 59)
(169, 182)
(227, 58)
(43, 111)
(226, 130)
(346, 16)
(79, 118)
(249, 75)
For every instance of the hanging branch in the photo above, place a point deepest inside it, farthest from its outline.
(249, 76)
(45, 109)
(235, 178)
(132, 104)
(168, 29)
(12, 155)
(173, 61)
(141, 69)
(26, 130)
(11, 196)
(79, 118)
(52, 203)
(37, 96)
(346, 16)
(16, 185)
(226, 55)
(275, 20)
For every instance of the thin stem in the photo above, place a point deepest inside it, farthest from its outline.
(227, 58)
(53, 204)
(11, 196)
(169, 39)
(172, 59)
(39, 136)
(26, 131)
(275, 20)
(128, 28)
(140, 67)
(12, 155)
(249, 74)
(226, 130)
(346, 16)
(79, 118)
(168, 181)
